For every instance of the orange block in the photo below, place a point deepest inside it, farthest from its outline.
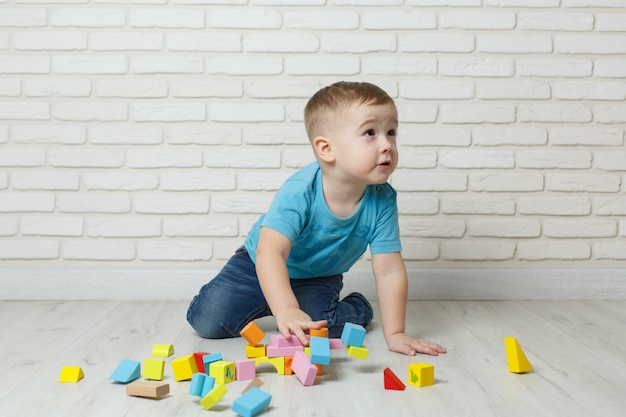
(253, 333)
(323, 332)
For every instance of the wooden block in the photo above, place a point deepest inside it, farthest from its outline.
(272, 351)
(162, 351)
(288, 363)
(127, 371)
(199, 362)
(320, 350)
(147, 389)
(277, 362)
(253, 333)
(392, 382)
(213, 397)
(323, 332)
(421, 374)
(252, 402)
(209, 384)
(304, 369)
(153, 369)
(245, 370)
(209, 359)
(222, 371)
(256, 382)
(359, 352)
(282, 341)
(517, 361)
(184, 367)
(255, 351)
(353, 334)
(197, 382)
(71, 374)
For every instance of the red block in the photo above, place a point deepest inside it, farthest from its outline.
(199, 362)
(392, 381)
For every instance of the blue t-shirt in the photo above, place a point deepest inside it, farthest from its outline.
(324, 244)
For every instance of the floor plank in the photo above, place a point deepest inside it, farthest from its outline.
(577, 349)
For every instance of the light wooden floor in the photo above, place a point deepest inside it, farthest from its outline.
(577, 349)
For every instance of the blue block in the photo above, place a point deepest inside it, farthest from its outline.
(126, 371)
(209, 359)
(353, 334)
(252, 402)
(209, 384)
(320, 350)
(197, 382)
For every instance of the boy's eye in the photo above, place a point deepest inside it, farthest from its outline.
(392, 132)
(370, 132)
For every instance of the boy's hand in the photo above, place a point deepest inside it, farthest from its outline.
(402, 343)
(297, 322)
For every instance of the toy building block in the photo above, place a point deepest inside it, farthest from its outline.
(282, 341)
(162, 351)
(320, 350)
(245, 369)
(71, 374)
(127, 371)
(209, 384)
(288, 363)
(255, 351)
(222, 371)
(336, 343)
(277, 362)
(252, 402)
(256, 382)
(184, 367)
(392, 382)
(153, 369)
(518, 363)
(421, 374)
(304, 369)
(276, 351)
(147, 389)
(213, 397)
(253, 333)
(199, 362)
(353, 334)
(359, 352)
(209, 359)
(323, 332)
(197, 382)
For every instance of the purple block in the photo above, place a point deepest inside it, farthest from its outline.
(245, 370)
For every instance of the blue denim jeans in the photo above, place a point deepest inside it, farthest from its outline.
(232, 299)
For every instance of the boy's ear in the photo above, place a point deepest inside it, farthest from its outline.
(324, 149)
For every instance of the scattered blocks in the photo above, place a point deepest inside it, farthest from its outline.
(517, 361)
(127, 371)
(421, 374)
(256, 382)
(184, 367)
(209, 359)
(147, 389)
(252, 402)
(153, 369)
(255, 351)
(336, 343)
(359, 352)
(392, 382)
(199, 361)
(277, 362)
(71, 374)
(213, 397)
(222, 371)
(245, 370)
(304, 369)
(162, 351)
(197, 382)
(320, 350)
(353, 334)
(253, 333)
(209, 384)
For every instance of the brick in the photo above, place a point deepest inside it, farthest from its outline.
(417, 158)
(554, 206)
(610, 67)
(28, 249)
(168, 112)
(589, 136)
(99, 250)
(398, 65)
(590, 44)
(477, 67)
(554, 67)
(417, 204)
(410, 180)
(241, 204)
(10, 87)
(523, 3)
(131, 134)
(197, 181)
(609, 160)
(614, 22)
(59, 87)
(349, 43)
(86, 158)
(247, 113)
(322, 65)
(90, 111)
(164, 158)
(274, 135)
(200, 227)
(439, 3)
(123, 227)
(609, 113)
(472, 113)
(593, 3)
(510, 135)
(262, 181)
(554, 113)
(477, 250)
(469, 204)
(244, 19)
(392, 20)
(322, 20)
(168, 18)
(609, 250)
(90, 64)
(579, 228)
(555, 21)
(204, 42)
(514, 44)
(26, 202)
(436, 43)
(476, 159)
(171, 204)
(435, 136)
(46, 40)
(22, 157)
(45, 180)
(468, 19)
(23, 17)
(132, 88)
(427, 227)
(245, 158)
(505, 90)
(539, 251)
(52, 226)
(609, 206)
(4, 180)
(174, 251)
(8, 226)
(505, 182)
(203, 134)
(282, 89)
(93, 203)
(282, 43)
(245, 65)
(87, 17)
(419, 250)
(436, 90)
(589, 182)
(24, 110)
(592, 90)
(553, 159)
(198, 88)
(167, 64)
(505, 228)
(126, 41)
(120, 181)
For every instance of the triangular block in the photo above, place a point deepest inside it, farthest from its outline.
(392, 381)
(71, 374)
(518, 363)
(127, 371)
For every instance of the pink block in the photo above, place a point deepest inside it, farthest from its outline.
(275, 351)
(280, 341)
(304, 369)
(336, 344)
(245, 370)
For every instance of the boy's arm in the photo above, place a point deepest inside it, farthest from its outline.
(392, 290)
(271, 265)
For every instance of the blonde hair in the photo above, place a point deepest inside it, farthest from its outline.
(328, 103)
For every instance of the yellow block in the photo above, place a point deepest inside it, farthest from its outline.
(213, 396)
(153, 369)
(255, 351)
(184, 367)
(71, 374)
(278, 362)
(162, 351)
(222, 371)
(421, 374)
(518, 363)
(359, 352)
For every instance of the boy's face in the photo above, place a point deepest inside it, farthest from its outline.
(364, 143)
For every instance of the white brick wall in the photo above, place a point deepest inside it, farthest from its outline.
(153, 133)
